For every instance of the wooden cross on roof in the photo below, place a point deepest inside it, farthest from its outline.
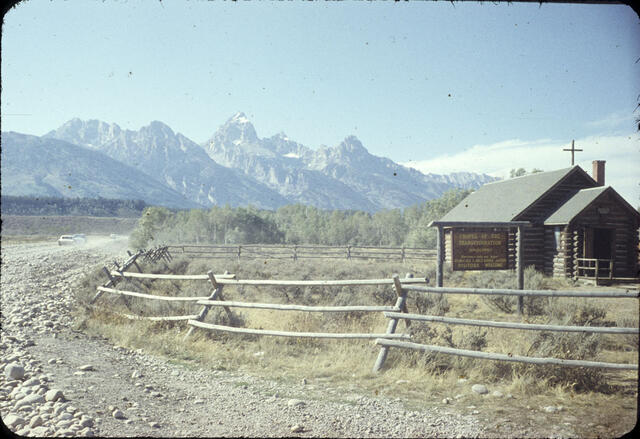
(573, 151)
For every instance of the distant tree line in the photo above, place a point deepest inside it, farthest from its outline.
(294, 224)
(52, 206)
(521, 172)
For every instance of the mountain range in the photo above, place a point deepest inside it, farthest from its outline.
(91, 158)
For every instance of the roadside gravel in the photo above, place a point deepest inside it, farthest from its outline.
(59, 382)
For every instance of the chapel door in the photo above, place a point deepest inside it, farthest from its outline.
(598, 244)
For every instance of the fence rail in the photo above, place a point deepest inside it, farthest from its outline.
(504, 357)
(396, 313)
(294, 252)
(512, 325)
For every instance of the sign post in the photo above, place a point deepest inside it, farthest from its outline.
(480, 245)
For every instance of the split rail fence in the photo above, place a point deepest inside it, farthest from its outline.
(387, 340)
(295, 252)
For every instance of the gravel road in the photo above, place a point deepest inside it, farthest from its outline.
(59, 382)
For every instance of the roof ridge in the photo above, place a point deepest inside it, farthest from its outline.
(532, 174)
(593, 188)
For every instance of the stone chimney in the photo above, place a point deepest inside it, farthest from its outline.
(598, 171)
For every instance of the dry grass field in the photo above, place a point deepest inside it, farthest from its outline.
(607, 398)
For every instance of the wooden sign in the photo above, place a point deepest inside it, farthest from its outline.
(479, 249)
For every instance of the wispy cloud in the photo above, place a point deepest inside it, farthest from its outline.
(622, 154)
(613, 121)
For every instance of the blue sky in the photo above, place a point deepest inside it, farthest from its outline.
(441, 87)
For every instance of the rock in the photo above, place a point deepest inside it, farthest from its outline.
(65, 416)
(154, 425)
(497, 394)
(54, 395)
(86, 368)
(296, 403)
(65, 423)
(462, 380)
(40, 431)
(31, 399)
(26, 409)
(31, 382)
(297, 428)
(36, 421)
(479, 389)
(446, 401)
(14, 371)
(550, 409)
(118, 414)
(402, 382)
(86, 422)
(86, 433)
(12, 420)
(17, 394)
(136, 374)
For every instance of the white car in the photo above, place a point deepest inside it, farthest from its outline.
(66, 240)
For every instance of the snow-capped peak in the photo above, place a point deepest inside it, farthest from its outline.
(240, 117)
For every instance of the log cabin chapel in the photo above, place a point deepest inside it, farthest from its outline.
(575, 226)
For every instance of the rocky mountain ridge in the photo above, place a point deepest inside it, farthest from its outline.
(237, 167)
(34, 165)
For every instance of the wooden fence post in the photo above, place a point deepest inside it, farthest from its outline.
(295, 252)
(134, 261)
(215, 295)
(393, 323)
(110, 282)
(349, 252)
(403, 253)
(217, 289)
(239, 251)
(440, 256)
(520, 267)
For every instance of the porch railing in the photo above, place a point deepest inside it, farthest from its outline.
(590, 268)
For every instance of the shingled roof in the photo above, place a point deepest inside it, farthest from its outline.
(504, 200)
(580, 201)
(574, 205)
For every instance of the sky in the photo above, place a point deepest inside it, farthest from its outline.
(442, 87)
